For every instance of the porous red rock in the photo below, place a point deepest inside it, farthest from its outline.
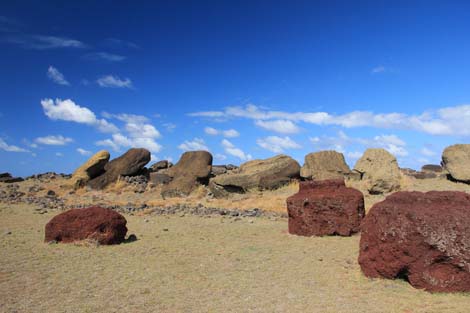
(421, 237)
(325, 207)
(103, 225)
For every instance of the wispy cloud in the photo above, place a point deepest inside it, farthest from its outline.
(84, 152)
(118, 43)
(110, 81)
(230, 148)
(42, 42)
(195, 144)
(56, 76)
(10, 148)
(279, 126)
(104, 56)
(229, 133)
(67, 110)
(378, 69)
(52, 140)
(445, 121)
(277, 144)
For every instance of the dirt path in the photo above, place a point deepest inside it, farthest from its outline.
(194, 264)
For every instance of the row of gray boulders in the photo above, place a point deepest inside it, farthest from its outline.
(421, 237)
(377, 168)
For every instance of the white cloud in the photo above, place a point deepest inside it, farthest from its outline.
(110, 81)
(445, 121)
(220, 157)
(67, 110)
(427, 152)
(229, 148)
(277, 144)
(59, 154)
(119, 43)
(195, 144)
(136, 130)
(354, 155)
(53, 140)
(229, 133)
(10, 148)
(378, 69)
(41, 42)
(279, 126)
(83, 151)
(56, 76)
(119, 141)
(104, 56)
(169, 126)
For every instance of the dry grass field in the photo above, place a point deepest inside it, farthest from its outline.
(196, 264)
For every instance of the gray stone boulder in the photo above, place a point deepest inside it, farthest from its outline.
(324, 165)
(192, 170)
(160, 165)
(128, 164)
(222, 169)
(380, 170)
(456, 161)
(92, 168)
(264, 174)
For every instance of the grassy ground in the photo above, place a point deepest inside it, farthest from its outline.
(193, 264)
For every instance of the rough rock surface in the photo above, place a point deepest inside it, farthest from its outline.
(434, 168)
(192, 170)
(418, 174)
(380, 170)
(7, 178)
(128, 164)
(103, 225)
(222, 169)
(92, 168)
(159, 178)
(325, 207)
(160, 165)
(456, 160)
(324, 165)
(264, 174)
(422, 237)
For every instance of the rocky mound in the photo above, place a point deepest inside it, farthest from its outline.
(422, 237)
(380, 170)
(264, 174)
(92, 168)
(324, 165)
(192, 170)
(128, 164)
(95, 223)
(8, 178)
(160, 165)
(456, 161)
(325, 207)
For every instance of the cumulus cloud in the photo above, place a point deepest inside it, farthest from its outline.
(67, 110)
(10, 148)
(84, 152)
(195, 144)
(229, 133)
(119, 141)
(51, 140)
(445, 121)
(110, 81)
(104, 56)
(277, 144)
(279, 126)
(229, 148)
(56, 76)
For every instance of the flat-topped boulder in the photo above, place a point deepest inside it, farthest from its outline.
(160, 165)
(325, 207)
(324, 165)
(421, 237)
(192, 170)
(379, 169)
(264, 174)
(94, 223)
(456, 161)
(92, 168)
(128, 164)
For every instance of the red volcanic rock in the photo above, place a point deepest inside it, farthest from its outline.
(325, 207)
(422, 237)
(103, 225)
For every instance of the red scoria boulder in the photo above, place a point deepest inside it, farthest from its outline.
(325, 207)
(421, 237)
(103, 225)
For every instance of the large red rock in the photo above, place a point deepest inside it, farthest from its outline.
(325, 207)
(103, 225)
(421, 237)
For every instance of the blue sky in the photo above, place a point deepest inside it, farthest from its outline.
(244, 79)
